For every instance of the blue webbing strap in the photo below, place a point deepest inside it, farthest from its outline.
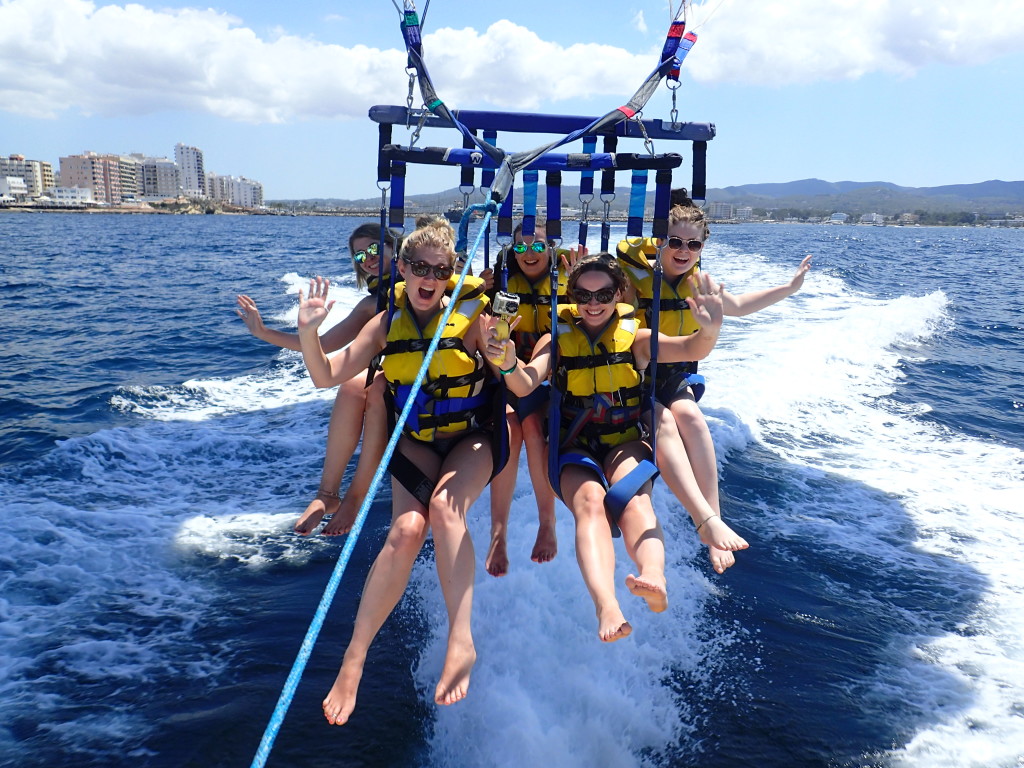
(586, 191)
(607, 192)
(306, 649)
(530, 181)
(637, 204)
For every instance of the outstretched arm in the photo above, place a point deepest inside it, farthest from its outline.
(250, 315)
(334, 339)
(748, 303)
(328, 372)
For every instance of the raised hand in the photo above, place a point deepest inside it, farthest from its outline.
(798, 277)
(706, 299)
(488, 277)
(250, 315)
(500, 352)
(570, 257)
(314, 310)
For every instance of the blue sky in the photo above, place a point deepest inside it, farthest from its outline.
(920, 94)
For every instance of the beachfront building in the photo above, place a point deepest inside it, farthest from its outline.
(744, 213)
(872, 218)
(13, 189)
(130, 168)
(235, 190)
(158, 177)
(37, 174)
(190, 166)
(837, 218)
(100, 173)
(720, 211)
(70, 195)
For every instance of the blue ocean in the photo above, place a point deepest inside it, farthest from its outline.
(154, 455)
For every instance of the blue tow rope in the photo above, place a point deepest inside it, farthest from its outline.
(290, 685)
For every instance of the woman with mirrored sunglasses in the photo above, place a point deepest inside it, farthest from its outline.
(686, 452)
(443, 460)
(529, 280)
(600, 352)
(354, 405)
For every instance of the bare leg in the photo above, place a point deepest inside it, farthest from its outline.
(384, 587)
(641, 531)
(342, 438)
(720, 539)
(463, 475)
(673, 461)
(503, 487)
(595, 551)
(375, 440)
(546, 546)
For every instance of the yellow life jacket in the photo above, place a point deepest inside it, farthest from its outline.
(599, 382)
(674, 315)
(455, 394)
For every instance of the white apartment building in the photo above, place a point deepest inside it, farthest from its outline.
(720, 211)
(13, 188)
(38, 175)
(744, 213)
(159, 177)
(70, 195)
(190, 166)
(236, 190)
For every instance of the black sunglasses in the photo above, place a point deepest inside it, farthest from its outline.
(538, 246)
(677, 243)
(370, 251)
(421, 268)
(602, 295)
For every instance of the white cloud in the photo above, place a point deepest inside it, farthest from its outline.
(804, 41)
(57, 55)
(75, 55)
(639, 24)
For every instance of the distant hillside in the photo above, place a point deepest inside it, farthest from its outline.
(877, 196)
(853, 197)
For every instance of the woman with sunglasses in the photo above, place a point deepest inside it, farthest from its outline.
(600, 352)
(691, 473)
(354, 399)
(447, 441)
(529, 279)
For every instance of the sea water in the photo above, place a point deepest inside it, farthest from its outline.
(155, 456)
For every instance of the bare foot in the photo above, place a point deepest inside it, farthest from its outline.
(612, 625)
(546, 546)
(325, 503)
(344, 517)
(497, 556)
(721, 559)
(341, 699)
(454, 683)
(651, 588)
(715, 533)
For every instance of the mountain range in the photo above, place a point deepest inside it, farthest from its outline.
(814, 195)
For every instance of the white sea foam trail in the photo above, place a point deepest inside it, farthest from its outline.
(813, 385)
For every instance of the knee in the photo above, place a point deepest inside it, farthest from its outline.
(588, 503)
(688, 415)
(408, 534)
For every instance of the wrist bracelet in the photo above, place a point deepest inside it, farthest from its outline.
(514, 366)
